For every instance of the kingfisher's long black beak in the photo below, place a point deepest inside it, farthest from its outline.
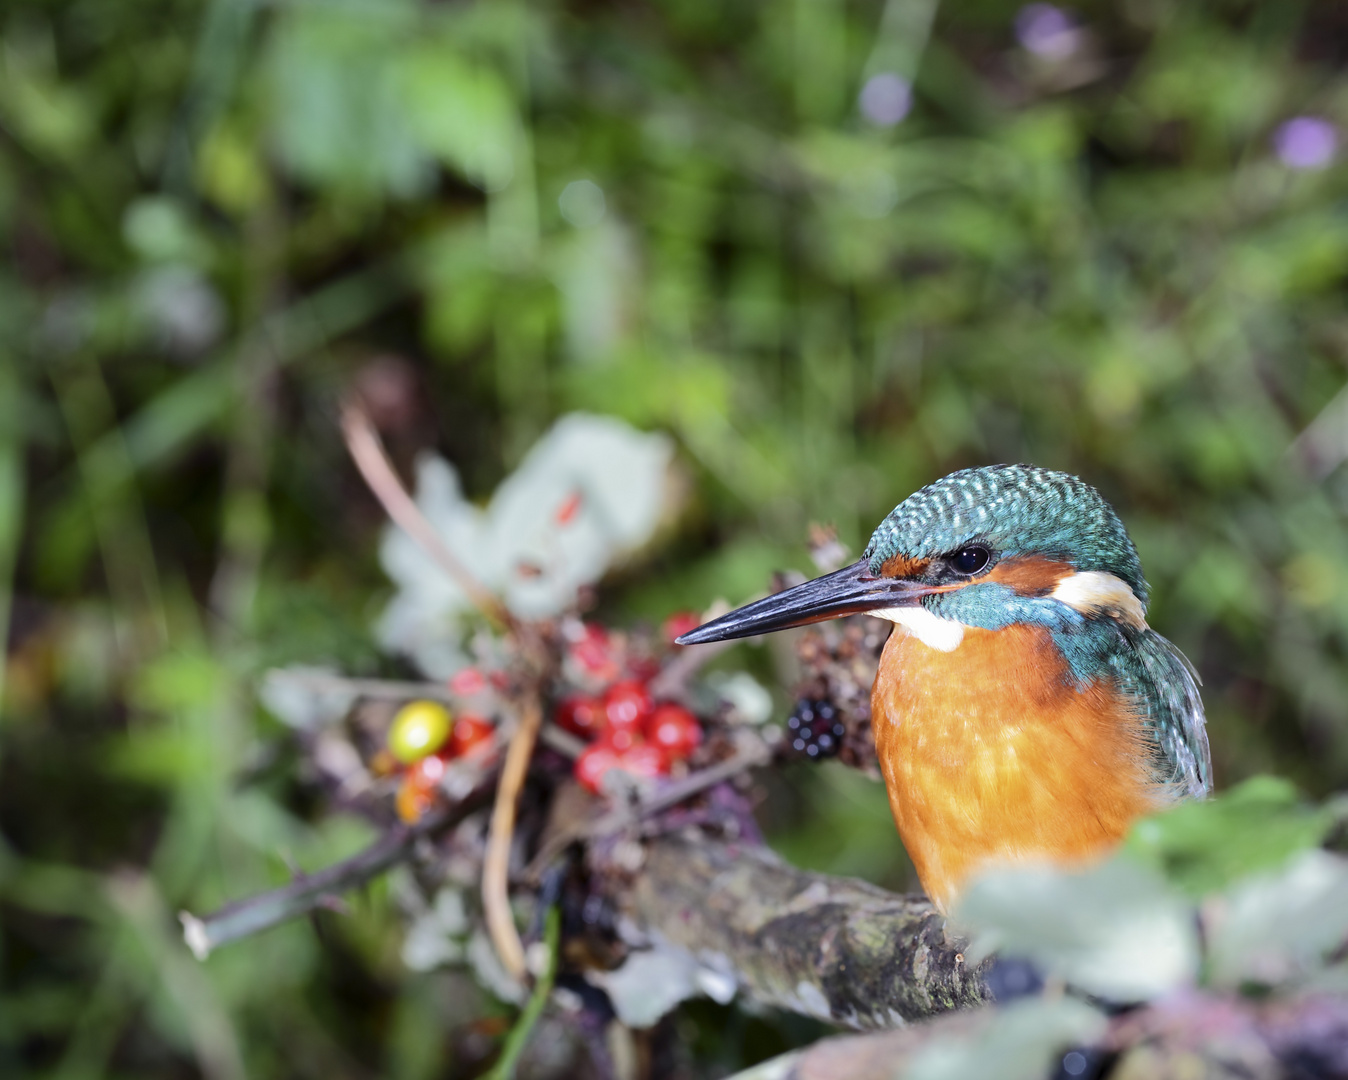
(844, 592)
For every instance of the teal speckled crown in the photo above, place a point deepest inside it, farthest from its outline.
(1013, 509)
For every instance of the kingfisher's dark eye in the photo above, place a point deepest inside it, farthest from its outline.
(970, 560)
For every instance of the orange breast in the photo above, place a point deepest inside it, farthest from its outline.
(991, 754)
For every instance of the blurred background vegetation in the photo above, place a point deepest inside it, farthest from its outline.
(836, 248)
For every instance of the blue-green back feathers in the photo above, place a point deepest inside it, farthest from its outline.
(1161, 688)
(1164, 689)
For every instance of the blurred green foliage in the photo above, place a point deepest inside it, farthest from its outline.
(1095, 255)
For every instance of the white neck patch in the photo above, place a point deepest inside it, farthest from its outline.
(933, 631)
(1094, 591)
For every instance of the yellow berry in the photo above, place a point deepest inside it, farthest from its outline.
(419, 728)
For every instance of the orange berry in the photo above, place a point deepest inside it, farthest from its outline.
(414, 800)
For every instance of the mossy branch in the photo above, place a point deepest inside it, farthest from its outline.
(834, 948)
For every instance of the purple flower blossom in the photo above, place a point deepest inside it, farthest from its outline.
(885, 99)
(1047, 31)
(1306, 142)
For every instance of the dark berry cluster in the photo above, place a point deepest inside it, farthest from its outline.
(814, 729)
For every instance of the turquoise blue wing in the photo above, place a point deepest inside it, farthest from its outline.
(1165, 687)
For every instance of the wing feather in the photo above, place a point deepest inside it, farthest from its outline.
(1164, 685)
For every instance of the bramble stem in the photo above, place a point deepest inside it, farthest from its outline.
(309, 892)
(518, 1038)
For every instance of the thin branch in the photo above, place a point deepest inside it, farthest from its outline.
(518, 1038)
(407, 689)
(368, 453)
(751, 755)
(505, 937)
(322, 889)
(562, 741)
(379, 689)
(672, 680)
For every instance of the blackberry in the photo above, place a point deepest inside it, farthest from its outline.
(815, 730)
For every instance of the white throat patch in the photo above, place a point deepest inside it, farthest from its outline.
(933, 631)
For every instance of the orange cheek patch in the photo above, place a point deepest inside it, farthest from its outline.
(1031, 575)
(901, 566)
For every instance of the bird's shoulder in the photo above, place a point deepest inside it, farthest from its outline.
(1163, 686)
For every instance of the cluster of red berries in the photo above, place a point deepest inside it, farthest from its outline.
(423, 738)
(626, 728)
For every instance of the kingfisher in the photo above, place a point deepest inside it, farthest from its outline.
(1023, 709)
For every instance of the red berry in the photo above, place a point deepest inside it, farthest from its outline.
(680, 623)
(644, 669)
(627, 704)
(581, 715)
(594, 652)
(468, 681)
(645, 760)
(621, 739)
(593, 763)
(469, 733)
(428, 772)
(674, 730)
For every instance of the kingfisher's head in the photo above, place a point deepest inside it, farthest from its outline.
(987, 547)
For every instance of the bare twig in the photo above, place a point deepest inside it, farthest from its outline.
(754, 753)
(406, 689)
(380, 689)
(518, 1038)
(1323, 446)
(368, 453)
(505, 937)
(320, 890)
(673, 678)
(562, 741)
(749, 756)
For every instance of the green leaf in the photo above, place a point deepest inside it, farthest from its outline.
(1117, 930)
(1275, 927)
(1022, 1042)
(1203, 846)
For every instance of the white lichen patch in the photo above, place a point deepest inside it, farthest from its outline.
(809, 999)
